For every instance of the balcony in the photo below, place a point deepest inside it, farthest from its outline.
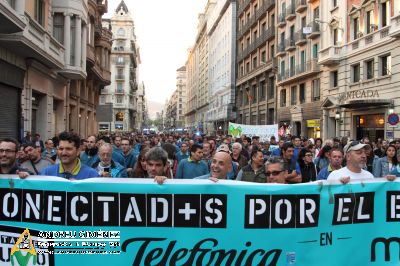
(102, 75)
(119, 77)
(37, 43)
(290, 44)
(281, 20)
(381, 35)
(301, 5)
(243, 6)
(395, 27)
(330, 56)
(315, 30)
(102, 6)
(117, 91)
(120, 64)
(300, 72)
(90, 55)
(300, 38)
(290, 13)
(10, 20)
(281, 49)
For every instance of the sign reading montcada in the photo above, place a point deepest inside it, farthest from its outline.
(360, 94)
(24, 243)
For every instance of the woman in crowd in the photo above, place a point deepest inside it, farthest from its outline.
(172, 160)
(385, 165)
(307, 167)
(323, 158)
(139, 171)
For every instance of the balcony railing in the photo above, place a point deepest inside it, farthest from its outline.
(290, 44)
(301, 5)
(282, 19)
(119, 76)
(281, 49)
(315, 29)
(299, 71)
(290, 12)
(300, 37)
(330, 55)
(369, 39)
(395, 27)
(265, 35)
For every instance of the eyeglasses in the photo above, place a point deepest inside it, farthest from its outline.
(308, 154)
(7, 151)
(273, 173)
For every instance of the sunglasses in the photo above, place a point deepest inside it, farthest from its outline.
(273, 173)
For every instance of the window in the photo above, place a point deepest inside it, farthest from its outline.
(254, 93)
(315, 51)
(384, 14)
(262, 90)
(120, 99)
(254, 62)
(72, 43)
(263, 57)
(368, 21)
(272, 51)
(334, 3)
(292, 66)
(58, 27)
(282, 72)
(316, 93)
(121, 32)
(385, 65)
(270, 118)
(335, 37)
(263, 27)
(355, 71)
(120, 88)
(247, 67)
(283, 98)
(369, 69)
(102, 99)
(334, 79)
(246, 96)
(355, 28)
(271, 87)
(302, 93)
(293, 94)
(39, 11)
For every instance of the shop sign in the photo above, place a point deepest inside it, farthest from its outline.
(313, 123)
(360, 94)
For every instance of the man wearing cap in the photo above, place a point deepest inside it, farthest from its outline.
(356, 160)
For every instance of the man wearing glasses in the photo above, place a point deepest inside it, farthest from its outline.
(8, 156)
(275, 170)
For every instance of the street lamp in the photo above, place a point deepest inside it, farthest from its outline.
(337, 115)
(391, 109)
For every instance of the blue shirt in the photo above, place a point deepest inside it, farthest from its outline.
(188, 169)
(180, 156)
(80, 172)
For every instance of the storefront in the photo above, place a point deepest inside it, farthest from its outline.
(313, 128)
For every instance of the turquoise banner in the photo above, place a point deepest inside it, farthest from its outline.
(51, 221)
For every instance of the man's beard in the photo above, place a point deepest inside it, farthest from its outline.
(92, 151)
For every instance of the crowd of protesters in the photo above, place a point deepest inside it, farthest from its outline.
(167, 156)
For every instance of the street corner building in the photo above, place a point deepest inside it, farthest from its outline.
(54, 60)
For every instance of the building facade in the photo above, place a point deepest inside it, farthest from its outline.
(361, 61)
(175, 105)
(142, 110)
(221, 30)
(299, 75)
(256, 64)
(121, 94)
(197, 76)
(44, 67)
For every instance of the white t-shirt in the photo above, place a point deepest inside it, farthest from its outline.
(343, 172)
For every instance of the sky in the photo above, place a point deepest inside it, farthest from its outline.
(165, 30)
